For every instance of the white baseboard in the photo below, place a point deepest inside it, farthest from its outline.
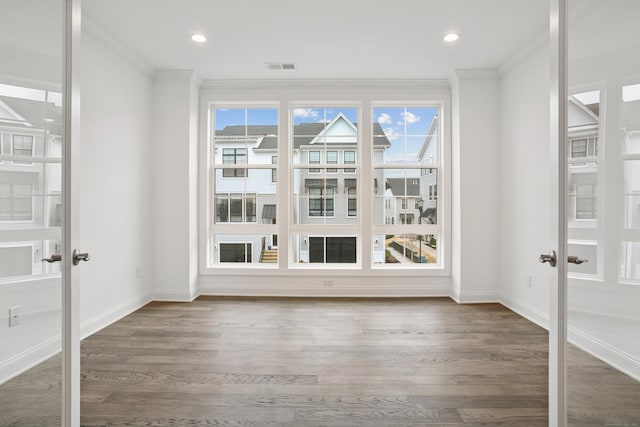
(474, 297)
(610, 355)
(173, 295)
(525, 310)
(41, 352)
(28, 359)
(327, 292)
(102, 320)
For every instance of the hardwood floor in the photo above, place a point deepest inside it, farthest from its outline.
(306, 362)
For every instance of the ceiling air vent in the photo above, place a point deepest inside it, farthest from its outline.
(281, 65)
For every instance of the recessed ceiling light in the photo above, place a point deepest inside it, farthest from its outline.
(451, 37)
(198, 38)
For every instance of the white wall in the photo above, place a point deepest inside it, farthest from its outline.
(174, 170)
(475, 185)
(115, 205)
(525, 187)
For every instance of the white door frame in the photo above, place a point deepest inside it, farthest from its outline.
(558, 296)
(70, 186)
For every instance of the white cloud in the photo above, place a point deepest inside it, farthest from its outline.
(410, 118)
(391, 133)
(384, 119)
(306, 113)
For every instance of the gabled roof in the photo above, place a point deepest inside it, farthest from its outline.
(303, 133)
(28, 113)
(397, 186)
(432, 137)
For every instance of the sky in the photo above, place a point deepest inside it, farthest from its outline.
(405, 128)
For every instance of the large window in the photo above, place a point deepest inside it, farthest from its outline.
(349, 203)
(405, 140)
(244, 158)
(324, 194)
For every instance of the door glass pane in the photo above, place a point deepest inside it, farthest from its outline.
(603, 215)
(30, 212)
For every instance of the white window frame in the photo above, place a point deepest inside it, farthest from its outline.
(33, 146)
(443, 172)
(291, 94)
(33, 207)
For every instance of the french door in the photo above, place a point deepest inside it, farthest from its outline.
(595, 137)
(39, 130)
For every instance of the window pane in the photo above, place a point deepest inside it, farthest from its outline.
(319, 128)
(405, 135)
(254, 200)
(254, 131)
(235, 208)
(410, 196)
(324, 198)
(405, 249)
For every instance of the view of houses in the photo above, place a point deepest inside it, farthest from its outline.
(30, 180)
(325, 189)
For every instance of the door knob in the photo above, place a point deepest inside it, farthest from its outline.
(53, 258)
(550, 258)
(575, 260)
(78, 256)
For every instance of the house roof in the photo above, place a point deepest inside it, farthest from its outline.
(28, 113)
(303, 134)
(399, 185)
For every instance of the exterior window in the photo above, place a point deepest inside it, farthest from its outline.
(407, 161)
(314, 158)
(274, 171)
(234, 156)
(585, 201)
(243, 223)
(22, 146)
(332, 159)
(352, 202)
(16, 202)
(321, 201)
(324, 155)
(235, 252)
(336, 250)
(349, 159)
(235, 208)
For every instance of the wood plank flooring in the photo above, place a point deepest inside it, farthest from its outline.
(311, 362)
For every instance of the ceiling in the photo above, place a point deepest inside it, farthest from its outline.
(325, 39)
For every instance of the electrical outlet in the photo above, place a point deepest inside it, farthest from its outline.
(14, 316)
(527, 280)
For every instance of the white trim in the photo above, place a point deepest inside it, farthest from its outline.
(474, 297)
(320, 286)
(90, 28)
(49, 348)
(29, 359)
(525, 310)
(102, 320)
(620, 360)
(173, 295)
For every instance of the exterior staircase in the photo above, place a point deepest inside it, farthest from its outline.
(269, 256)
